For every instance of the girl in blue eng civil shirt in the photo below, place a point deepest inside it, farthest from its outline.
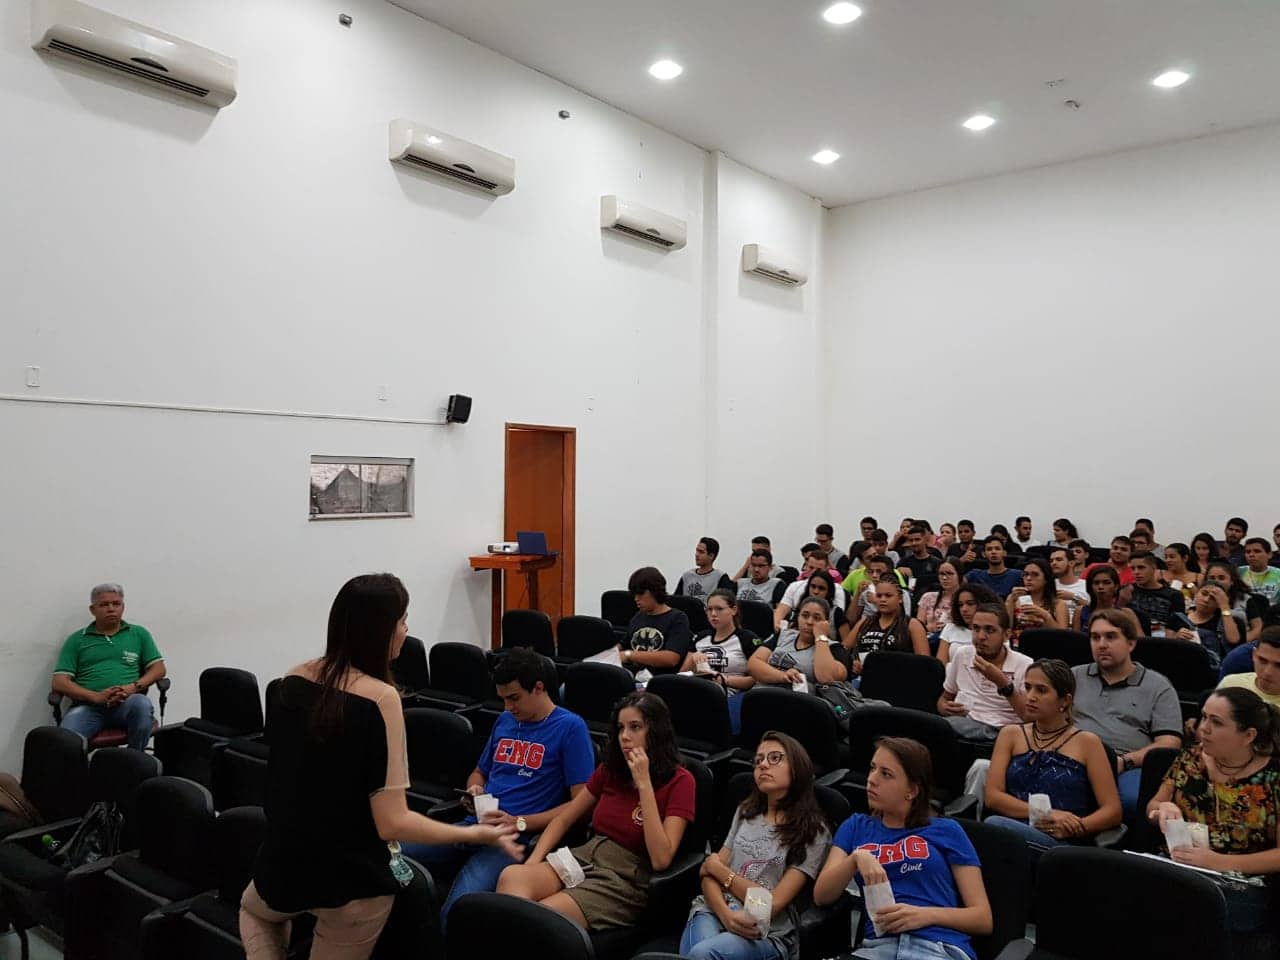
(928, 862)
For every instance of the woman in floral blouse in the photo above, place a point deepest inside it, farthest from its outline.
(1231, 783)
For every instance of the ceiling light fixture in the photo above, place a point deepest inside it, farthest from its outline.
(666, 70)
(825, 157)
(1171, 78)
(979, 121)
(841, 13)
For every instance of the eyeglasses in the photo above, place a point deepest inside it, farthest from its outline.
(770, 759)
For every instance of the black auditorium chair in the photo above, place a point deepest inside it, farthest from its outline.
(409, 670)
(230, 706)
(33, 886)
(700, 715)
(789, 574)
(807, 718)
(591, 690)
(1049, 643)
(459, 678)
(908, 680)
(1007, 876)
(756, 616)
(1145, 836)
(528, 628)
(579, 637)
(1187, 666)
(442, 755)
(484, 925)
(238, 773)
(693, 608)
(1099, 555)
(949, 763)
(1103, 905)
(1041, 551)
(108, 899)
(113, 736)
(618, 607)
(54, 779)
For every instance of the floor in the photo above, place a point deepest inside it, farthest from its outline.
(41, 948)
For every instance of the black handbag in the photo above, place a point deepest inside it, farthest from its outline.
(97, 837)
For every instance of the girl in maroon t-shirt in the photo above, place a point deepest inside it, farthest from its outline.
(640, 799)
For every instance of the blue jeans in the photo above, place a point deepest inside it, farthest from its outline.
(735, 713)
(133, 714)
(908, 946)
(705, 938)
(1128, 784)
(471, 869)
(1023, 829)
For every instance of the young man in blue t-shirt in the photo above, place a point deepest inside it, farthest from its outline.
(998, 578)
(538, 757)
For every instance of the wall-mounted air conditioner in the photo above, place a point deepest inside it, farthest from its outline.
(769, 263)
(433, 151)
(80, 32)
(641, 223)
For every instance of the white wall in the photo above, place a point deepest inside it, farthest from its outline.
(1096, 340)
(268, 256)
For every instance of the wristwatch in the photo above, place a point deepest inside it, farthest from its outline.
(522, 825)
(1006, 690)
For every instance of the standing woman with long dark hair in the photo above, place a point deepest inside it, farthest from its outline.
(336, 785)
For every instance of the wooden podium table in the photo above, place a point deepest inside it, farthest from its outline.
(500, 563)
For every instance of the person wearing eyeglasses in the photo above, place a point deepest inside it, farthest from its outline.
(778, 841)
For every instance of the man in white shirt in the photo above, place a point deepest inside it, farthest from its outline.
(1022, 533)
(983, 690)
(1070, 587)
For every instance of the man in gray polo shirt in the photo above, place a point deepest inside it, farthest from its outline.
(1131, 708)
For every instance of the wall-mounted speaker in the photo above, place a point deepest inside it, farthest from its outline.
(459, 409)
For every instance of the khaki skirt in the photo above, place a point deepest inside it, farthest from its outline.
(615, 889)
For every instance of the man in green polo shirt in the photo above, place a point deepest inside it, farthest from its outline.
(107, 668)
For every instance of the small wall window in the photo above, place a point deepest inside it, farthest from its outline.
(361, 488)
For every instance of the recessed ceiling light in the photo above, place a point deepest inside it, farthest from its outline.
(666, 70)
(825, 156)
(841, 13)
(1171, 78)
(979, 121)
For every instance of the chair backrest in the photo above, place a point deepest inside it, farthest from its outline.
(788, 574)
(1155, 764)
(802, 715)
(704, 805)
(1187, 666)
(528, 628)
(409, 670)
(235, 838)
(460, 668)
(175, 818)
(413, 927)
(1107, 905)
(591, 689)
(55, 772)
(699, 708)
(693, 608)
(230, 698)
(439, 746)
(835, 806)
(756, 616)
(617, 606)
(481, 923)
(903, 679)
(238, 773)
(870, 723)
(1006, 874)
(579, 637)
(1049, 643)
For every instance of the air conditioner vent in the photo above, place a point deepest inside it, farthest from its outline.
(73, 51)
(768, 263)
(425, 148)
(640, 223)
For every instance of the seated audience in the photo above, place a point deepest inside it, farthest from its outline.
(704, 577)
(1230, 782)
(1121, 551)
(815, 562)
(1141, 541)
(758, 543)
(983, 690)
(1204, 551)
(997, 578)
(1218, 626)
(825, 536)
(336, 785)
(1102, 584)
(928, 862)
(763, 584)
(1177, 572)
(891, 628)
(720, 652)
(640, 800)
(873, 571)
(1239, 660)
(945, 539)
(898, 542)
(1155, 605)
(1080, 550)
(819, 584)
(1068, 583)
(1229, 547)
(1264, 679)
(1053, 756)
(1064, 531)
(1131, 708)
(880, 540)
(658, 637)
(858, 550)
(919, 565)
(934, 610)
(1034, 603)
(867, 526)
(1257, 573)
(1275, 536)
(537, 758)
(106, 668)
(801, 657)
(959, 632)
(1022, 534)
(1149, 528)
(966, 548)
(778, 840)
(1010, 545)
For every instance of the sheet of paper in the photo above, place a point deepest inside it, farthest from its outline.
(610, 655)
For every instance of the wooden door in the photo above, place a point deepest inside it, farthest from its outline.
(540, 496)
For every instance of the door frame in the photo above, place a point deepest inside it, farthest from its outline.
(568, 501)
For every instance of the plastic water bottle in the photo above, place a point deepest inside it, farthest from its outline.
(50, 845)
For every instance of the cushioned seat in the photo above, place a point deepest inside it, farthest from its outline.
(31, 869)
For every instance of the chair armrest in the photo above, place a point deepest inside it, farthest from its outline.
(54, 699)
(963, 807)
(832, 777)
(724, 756)
(30, 839)
(670, 891)
(1016, 950)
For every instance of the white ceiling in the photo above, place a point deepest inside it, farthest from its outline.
(769, 82)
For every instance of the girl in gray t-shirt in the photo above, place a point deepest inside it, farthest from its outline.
(778, 840)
